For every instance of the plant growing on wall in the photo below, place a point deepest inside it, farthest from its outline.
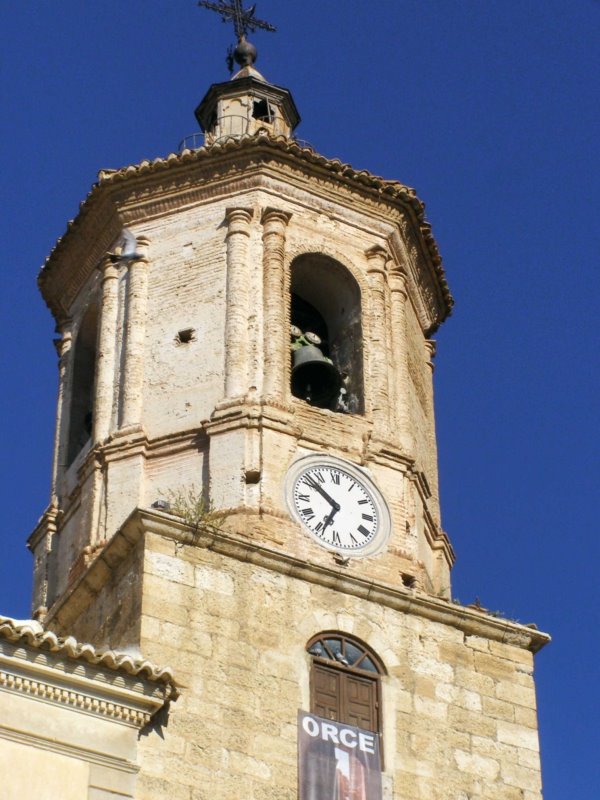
(190, 504)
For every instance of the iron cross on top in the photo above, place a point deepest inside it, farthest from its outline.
(244, 20)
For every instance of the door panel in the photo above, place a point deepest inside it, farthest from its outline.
(344, 697)
(360, 702)
(326, 692)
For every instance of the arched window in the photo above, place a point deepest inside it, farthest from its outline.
(345, 681)
(326, 301)
(82, 384)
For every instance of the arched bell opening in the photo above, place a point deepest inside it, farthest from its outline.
(326, 335)
(82, 384)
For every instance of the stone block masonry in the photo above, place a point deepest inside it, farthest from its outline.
(458, 703)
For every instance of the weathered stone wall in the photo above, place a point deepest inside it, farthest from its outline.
(107, 609)
(184, 381)
(458, 710)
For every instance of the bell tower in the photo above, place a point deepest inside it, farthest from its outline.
(271, 305)
(245, 475)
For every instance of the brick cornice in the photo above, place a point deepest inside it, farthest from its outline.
(136, 194)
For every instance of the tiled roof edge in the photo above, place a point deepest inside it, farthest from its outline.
(34, 634)
(384, 187)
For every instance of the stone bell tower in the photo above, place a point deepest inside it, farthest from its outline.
(246, 328)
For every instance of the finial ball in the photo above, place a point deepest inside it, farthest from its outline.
(245, 53)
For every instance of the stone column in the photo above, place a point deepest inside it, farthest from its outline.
(135, 314)
(236, 320)
(276, 335)
(397, 284)
(63, 346)
(432, 476)
(378, 368)
(106, 353)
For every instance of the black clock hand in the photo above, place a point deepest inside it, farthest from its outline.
(314, 485)
(329, 519)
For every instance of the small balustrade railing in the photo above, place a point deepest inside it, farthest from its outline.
(234, 127)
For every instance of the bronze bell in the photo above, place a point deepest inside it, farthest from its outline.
(314, 378)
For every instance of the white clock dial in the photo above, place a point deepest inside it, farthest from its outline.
(338, 505)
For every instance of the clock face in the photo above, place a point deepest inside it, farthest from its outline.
(338, 505)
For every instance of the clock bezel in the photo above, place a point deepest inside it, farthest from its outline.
(359, 474)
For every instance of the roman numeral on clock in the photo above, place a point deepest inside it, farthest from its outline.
(368, 517)
(335, 477)
(308, 513)
(363, 530)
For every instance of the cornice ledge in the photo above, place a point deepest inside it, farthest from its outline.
(471, 621)
(35, 661)
(387, 452)
(245, 412)
(429, 290)
(106, 191)
(129, 705)
(80, 752)
(45, 524)
(122, 444)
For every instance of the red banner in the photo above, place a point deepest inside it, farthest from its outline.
(336, 761)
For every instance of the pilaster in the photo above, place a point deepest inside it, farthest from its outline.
(106, 355)
(135, 331)
(63, 346)
(430, 351)
(401, 382)
(378, 366)
(236, 321)
(276, 335)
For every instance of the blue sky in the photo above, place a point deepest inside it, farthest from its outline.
(490, 110)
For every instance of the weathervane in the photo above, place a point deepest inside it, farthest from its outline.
(244, 20)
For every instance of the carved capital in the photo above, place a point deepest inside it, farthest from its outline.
(142, 246)
(397, 282)
(377, 257)
(238, 220)
(274, 220)
(63, 343)
(108, 268)
(430, 350)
